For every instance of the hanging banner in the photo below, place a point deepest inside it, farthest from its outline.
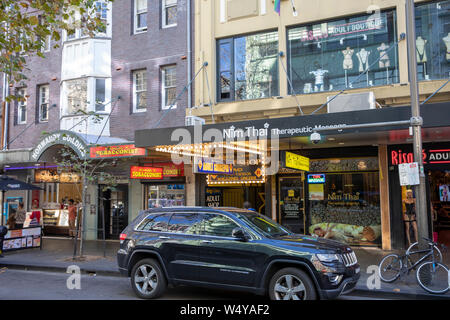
(295, 161)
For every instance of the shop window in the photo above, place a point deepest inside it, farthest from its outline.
(433, 40)
(248, 67)
(217, 225)
(346, 207)
(165, 195)
(186, 223)
(331, 55)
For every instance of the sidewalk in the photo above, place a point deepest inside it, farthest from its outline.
(56, 255)
(406, 286)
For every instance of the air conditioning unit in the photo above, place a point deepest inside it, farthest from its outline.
(193, 121)
(352, 102)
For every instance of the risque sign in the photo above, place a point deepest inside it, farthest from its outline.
(65, 138)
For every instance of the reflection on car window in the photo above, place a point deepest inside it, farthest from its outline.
(264, 224)
(217, 225)
(155, 223)
(187, 223)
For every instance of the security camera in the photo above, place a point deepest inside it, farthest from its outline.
(315, 137)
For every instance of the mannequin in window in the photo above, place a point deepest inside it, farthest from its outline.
(347, 64)
(363, 57)
(446, 40)
(421, 50)
(385, 62)
(319, 74)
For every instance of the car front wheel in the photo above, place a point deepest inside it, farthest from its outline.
(147, 279)
(291, 284)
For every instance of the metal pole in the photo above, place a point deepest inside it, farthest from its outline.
(416, 123)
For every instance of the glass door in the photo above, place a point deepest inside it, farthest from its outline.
(291, 204)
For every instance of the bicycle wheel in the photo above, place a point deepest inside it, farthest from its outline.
(433, 277)
(415, 247)
(389, 268)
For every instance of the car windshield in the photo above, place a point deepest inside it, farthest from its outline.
(263, 224)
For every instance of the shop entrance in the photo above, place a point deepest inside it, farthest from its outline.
(114, 207)
(440, 200)
(236, 196)
(291, 204)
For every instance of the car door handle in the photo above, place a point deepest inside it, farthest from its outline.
(207, 241)
(164, 237)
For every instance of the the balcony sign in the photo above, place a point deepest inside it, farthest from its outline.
(128, 150)
(146, 173)
(62, 137)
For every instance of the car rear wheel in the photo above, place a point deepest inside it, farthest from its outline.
(291, 284)
(147, 279)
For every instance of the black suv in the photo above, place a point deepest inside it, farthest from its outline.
(231, 248)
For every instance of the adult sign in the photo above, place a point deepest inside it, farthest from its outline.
(119, 151)
(146, 173)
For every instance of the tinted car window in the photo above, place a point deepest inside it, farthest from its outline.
(157, 222)
(217, 225)
(187, 223)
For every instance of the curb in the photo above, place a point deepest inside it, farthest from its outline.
(59, 269)
(409, 295)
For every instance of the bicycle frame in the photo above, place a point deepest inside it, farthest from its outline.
(418, 262)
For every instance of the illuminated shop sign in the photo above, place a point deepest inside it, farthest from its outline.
(429, 156)
(212, 168)
(295, 161)
(170, 170)
(316, 178)
(241, 175)
(149, 173)
(128, 150)
(54, 176)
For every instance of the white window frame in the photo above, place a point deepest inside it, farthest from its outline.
(43, 100)
(136, 92)
(164, 7)
(135, 17)
(22, 107)
(164, 87)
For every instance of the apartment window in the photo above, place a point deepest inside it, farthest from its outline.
(76, 95)
(101, 9)
(139, 90)
(22, 108)
(140, 16)
(100, 94)
(46, 45)
(169, 86)
(331, 55)
(248, 67)
(43, 103)
(169, 13)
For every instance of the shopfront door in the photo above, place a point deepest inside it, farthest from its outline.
(291, 204)
(114, 209)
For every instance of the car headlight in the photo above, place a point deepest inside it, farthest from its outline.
(328, 257)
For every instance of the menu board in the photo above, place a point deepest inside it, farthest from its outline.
(22, 239)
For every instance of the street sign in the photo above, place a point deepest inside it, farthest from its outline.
(409, 174)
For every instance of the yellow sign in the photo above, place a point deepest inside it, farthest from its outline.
(295, 161)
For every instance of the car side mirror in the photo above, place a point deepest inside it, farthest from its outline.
(239, 234)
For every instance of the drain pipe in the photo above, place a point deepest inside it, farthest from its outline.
(189, 49)
(6, 112)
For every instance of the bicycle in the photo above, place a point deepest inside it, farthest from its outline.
(433, 276)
